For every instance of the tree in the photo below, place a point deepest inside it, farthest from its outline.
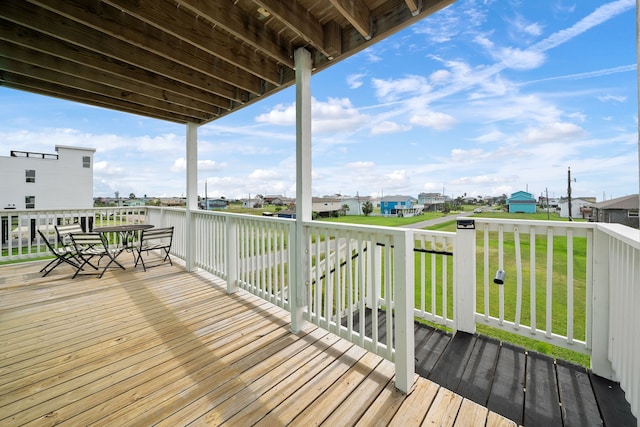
(367, 208)
(132, 196)
(344, 209)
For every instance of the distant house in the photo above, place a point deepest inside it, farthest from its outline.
(521, 202)
(278, 200)
(252, 203)
(580, 207)
(134, 202)
(432, 202)
(47, 181)
(326, 206)
(396, 205)
(623, 210)
(214, 204)
(355, 204)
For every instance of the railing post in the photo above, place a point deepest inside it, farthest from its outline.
(374, 276)
(231, 255)
(600, 364)
(464, 276)
(404, 284)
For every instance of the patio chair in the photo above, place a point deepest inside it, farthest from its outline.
(63, 232)
(63, 254)
(155, 239)
(92, 245)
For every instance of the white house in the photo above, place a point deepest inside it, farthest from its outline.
(580, 207)
(47, 181)
(355, 204)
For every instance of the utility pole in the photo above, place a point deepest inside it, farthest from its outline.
(547, 196)
(569, 192)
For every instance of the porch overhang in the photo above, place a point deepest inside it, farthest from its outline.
(184, 61)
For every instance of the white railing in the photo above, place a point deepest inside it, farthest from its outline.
(356, 274)
(434, 286)
(574, 285)
(623, 253)
(18, 229)
(548, 279)
(259, 256)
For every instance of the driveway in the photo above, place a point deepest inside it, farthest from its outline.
(429, 223)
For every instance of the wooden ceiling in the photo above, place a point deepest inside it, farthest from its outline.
(184, 60)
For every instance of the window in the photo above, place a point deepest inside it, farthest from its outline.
(30, 175)
(86, 161)
(633, 214)
(30, 202)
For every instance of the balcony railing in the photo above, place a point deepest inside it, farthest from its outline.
(573, 285)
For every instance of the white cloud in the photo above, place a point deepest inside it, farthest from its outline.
(492, 136)
(386, 127)
(519, 59)
(614, 98)
(210, 165)
(553, 133)
(597, 17)
(439, 77)
(393, 89)
(355, 80)
(334, 115)
(433, 119)
(360, 165)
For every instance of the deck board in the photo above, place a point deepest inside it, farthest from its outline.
(167, 347)
(542, 403)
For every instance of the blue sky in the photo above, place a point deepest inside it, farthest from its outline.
(483, 98)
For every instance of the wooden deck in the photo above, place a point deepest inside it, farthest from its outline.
(171, 348)
(527, 387)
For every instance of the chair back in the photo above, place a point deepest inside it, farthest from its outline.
(92, 240)
(156, 237)
(64, 231)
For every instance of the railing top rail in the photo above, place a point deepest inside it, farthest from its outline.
(533, 223)
(629, 235)
(357, 227)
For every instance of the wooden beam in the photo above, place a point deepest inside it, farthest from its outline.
(112, 22)
(48, 46)
(196, 31)
(98, 90)
(413, 6)
(356, 12)
(42, 88)
(246, 28)
(297, 19)
(83, 72)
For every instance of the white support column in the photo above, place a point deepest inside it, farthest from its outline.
(464, 274)
(600, 364)
(403, 282)
(192, 193)
(301, 278)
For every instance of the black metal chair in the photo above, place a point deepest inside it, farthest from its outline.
(91, 245)
(155, 239)
(63, 254)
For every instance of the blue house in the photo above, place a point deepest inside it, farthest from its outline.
(521, 202)
(395, 205)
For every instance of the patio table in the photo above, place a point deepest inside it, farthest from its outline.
(126, 232)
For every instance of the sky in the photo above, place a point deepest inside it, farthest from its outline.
(483, 98)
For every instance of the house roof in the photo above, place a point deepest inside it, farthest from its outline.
(626, 202)
(186, 61)
(396, 198)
